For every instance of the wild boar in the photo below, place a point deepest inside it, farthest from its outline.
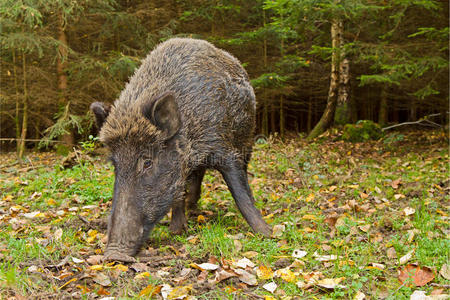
(188, 108)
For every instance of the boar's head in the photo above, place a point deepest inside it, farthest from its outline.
(143, 139)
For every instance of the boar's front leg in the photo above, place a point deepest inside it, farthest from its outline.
(178, 221)
(236, 178)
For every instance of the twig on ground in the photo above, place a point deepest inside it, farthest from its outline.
(85, 221)
(423, 121)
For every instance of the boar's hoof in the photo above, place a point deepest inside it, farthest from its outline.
(264, 229)
(117, 256)
(177, 227)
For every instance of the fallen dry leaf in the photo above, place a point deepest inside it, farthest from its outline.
(77, 260)
(96, 267)
(165, 290)
(142, 275)
(391, 253)
(270, 287)
(58, 234)
(179, 292)
(445, 271)
(264, 272)
(325, 257)
(244, 263)
(297, 253)
(405, 258)
(364, 228)
(359, 296)
(378, 266)
(250, 254)
(102, 292)
(278, 230)
(101, 279)
(94, 259)
(208, 266)
(408, 211)
(331, 283)
(395, 183)
(415, 274)
(286, 274)
(421, 295)
(223, 275)
(246, 277)
(237, 245)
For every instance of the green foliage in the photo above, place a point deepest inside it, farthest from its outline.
(89, 145)
(269, 80)
(65, 122)
(363, 130)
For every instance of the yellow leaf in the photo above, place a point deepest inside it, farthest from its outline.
(150, 290)
(250, 254)
(7, 198)
(201, 219)
(96, 267)
(65, 284)
(286, 274)
(264, 272)
(180, 292)
(121, 267)
(269, 298)
(51, 202)
(310, 197)
(142, 275)
(309, 230)
(441, 212)
(309, 217)
(353, 186)
(84, 289)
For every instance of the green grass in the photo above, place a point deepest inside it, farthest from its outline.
(350, 182)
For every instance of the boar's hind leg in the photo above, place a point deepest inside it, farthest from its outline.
(194, 188)
(236, 179)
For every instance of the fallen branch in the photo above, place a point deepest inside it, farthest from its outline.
(29, 140)
(423, 121)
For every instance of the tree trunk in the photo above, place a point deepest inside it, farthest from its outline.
(23, 134)
(383, 111)
(61, 65)
(310, 116)
(273, 126)
(413, 111)
(328, 115)
(342, 115)
(282, 121)
(17, 113)
(265, 116)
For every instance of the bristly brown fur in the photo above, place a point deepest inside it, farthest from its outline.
(189, 107)
(123, 126)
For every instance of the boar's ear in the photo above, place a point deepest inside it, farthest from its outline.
(164, 114)
(101, 111)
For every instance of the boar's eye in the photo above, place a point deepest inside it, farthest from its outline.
(147, 163)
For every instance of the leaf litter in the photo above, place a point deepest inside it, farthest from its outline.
(342, 203)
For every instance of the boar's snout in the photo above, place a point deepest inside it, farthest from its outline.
(126, 230)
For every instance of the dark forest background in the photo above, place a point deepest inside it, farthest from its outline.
(313, 63)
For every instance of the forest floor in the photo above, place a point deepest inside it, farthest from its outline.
(351, 221)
